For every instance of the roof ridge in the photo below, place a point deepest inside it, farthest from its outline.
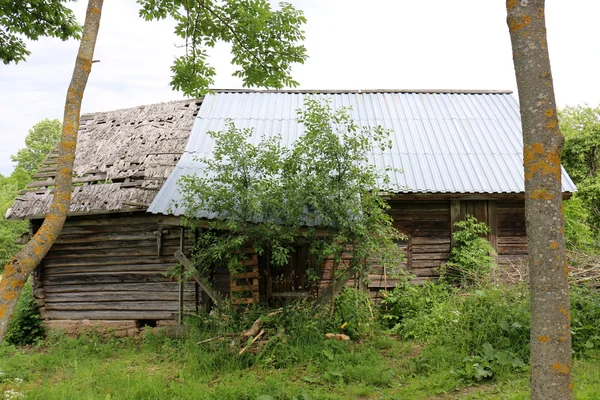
(360, 91)
(85, 116)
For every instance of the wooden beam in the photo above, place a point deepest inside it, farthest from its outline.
(213, 294)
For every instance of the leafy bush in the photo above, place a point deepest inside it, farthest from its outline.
(579, 234)
(471, 258)
(585, 320)
(477, 334)
(352, 308)
(409, 306)
(26, 325)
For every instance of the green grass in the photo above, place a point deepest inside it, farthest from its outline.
(379, 367)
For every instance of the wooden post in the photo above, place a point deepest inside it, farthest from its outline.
(455, 214)
(181, 283)
(493, 224)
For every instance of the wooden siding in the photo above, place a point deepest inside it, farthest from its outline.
(112, 267)
(108, 267)
(427, 226)
(512, 238)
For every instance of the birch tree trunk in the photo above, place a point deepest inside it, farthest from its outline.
(542, 145)
(22, 265)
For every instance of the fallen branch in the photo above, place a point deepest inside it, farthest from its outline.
(242, 351)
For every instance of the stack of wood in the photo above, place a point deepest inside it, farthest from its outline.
(584, 268)
(244, 285)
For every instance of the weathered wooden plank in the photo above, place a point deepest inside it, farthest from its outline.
(64, 239)
(512, 240)
(110, 314)
(109, 287)
(430, 241)
(108, 269)
(114, 306)
(113, 220)
(512, 249)
(83, 261)
(426, 248)
(419, 272)
(426, 263)
(503, 205)
(118, 296)
(79, 279)
(142, 226)
(138, 251)
(430, 256)
(214, 295)
(244, 288)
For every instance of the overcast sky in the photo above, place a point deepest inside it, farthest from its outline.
(352, 44)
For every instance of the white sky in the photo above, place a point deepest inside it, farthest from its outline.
(352, 44)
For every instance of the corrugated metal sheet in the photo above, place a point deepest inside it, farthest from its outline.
(443, 142)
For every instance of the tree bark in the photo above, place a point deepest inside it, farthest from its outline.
(22, 265)
(551, 357)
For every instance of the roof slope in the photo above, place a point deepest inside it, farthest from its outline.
(443, 141)
(123, 157)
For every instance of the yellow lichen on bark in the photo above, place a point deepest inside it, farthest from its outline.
(541, 194)
(518, 23)
(536, 160)
(510, 4)
(561, 368)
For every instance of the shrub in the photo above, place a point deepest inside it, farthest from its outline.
(477, 333)
(409, 306)
(26, 325)
(585, 320)
(471, 258)
(352, 308)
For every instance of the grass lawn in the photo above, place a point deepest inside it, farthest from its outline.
(158, 368)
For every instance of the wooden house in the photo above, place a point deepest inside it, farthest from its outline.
(454, 153)
(108, 262)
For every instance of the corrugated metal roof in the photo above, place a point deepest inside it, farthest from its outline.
(443, 141)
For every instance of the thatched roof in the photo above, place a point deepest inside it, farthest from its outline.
(123, 157)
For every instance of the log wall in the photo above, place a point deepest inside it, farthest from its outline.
(512, 238)
(112, 267)
(427, 227)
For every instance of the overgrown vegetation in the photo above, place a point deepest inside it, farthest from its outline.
(26, 325)
(443, 340)
(329, 190)
(581, 159)
(471, 257)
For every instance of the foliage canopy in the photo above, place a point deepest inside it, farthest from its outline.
(581, 159)
(38, 143)
(264, 41)
(32, 19)
(42, 138)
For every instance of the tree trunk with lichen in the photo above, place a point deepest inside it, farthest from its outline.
(22, 265)
(542, 145)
